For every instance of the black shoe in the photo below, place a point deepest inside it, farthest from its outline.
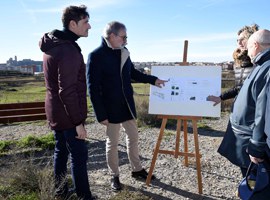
(115, 183)
(142, 174)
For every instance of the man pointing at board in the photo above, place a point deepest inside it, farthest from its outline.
(109, 76)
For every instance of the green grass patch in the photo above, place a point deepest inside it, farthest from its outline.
(169, 133)
(203, 126)
(29, 93)
(5, 146)
(31, 196)
(21, 89)
(45, 142)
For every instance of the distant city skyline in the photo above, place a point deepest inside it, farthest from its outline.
(35, 67)
(156, 29)
(18, 61)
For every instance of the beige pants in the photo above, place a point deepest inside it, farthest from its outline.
(113, 134)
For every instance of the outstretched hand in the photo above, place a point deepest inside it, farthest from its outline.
(215, 99)
(159, 83)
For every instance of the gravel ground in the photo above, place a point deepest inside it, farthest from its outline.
(174, 181)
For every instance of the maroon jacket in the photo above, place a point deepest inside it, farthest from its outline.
(64, 71)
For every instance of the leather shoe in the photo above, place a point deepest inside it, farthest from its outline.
(142, 174)
(115, 183)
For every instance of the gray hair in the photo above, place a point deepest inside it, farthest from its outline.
(262, 37)
(113, 27)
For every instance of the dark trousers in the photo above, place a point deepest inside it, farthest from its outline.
(66, 144)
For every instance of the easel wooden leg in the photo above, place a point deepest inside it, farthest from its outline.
(164, 121)
(197, 156)
(177, 142)
(176, 152)
(185, 142)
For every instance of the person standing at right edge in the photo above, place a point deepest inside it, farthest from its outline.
(229, 148)
(250, 117)
(66, 102)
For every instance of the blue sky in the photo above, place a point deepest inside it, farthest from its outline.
(156, 28)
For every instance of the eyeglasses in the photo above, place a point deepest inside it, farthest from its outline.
(124, 37)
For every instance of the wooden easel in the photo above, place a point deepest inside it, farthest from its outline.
(176, 152)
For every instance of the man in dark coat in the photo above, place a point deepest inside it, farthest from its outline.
(242, 68)
(66, 103)
(247, 119)
(109, 75)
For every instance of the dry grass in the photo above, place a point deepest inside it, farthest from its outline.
(29, 179)
(26, 178)
(129, 195)
(143, 118)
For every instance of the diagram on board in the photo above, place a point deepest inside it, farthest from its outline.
(186, 89)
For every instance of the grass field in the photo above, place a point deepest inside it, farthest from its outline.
(32, 89)
(23, 94)
(20, 90)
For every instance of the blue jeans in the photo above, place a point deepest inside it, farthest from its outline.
(66, 143)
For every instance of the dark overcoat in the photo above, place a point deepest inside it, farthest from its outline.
(245, 133)
(110, 73)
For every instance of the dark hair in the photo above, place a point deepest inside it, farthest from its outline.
(249, 30)
(75, 13)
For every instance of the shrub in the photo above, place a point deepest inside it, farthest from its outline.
(143, 118)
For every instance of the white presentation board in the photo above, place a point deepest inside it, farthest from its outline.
(186, 91)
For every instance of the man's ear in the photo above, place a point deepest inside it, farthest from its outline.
(72, 24)
(256, 45)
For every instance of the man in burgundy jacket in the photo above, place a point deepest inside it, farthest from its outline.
(66, 103)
